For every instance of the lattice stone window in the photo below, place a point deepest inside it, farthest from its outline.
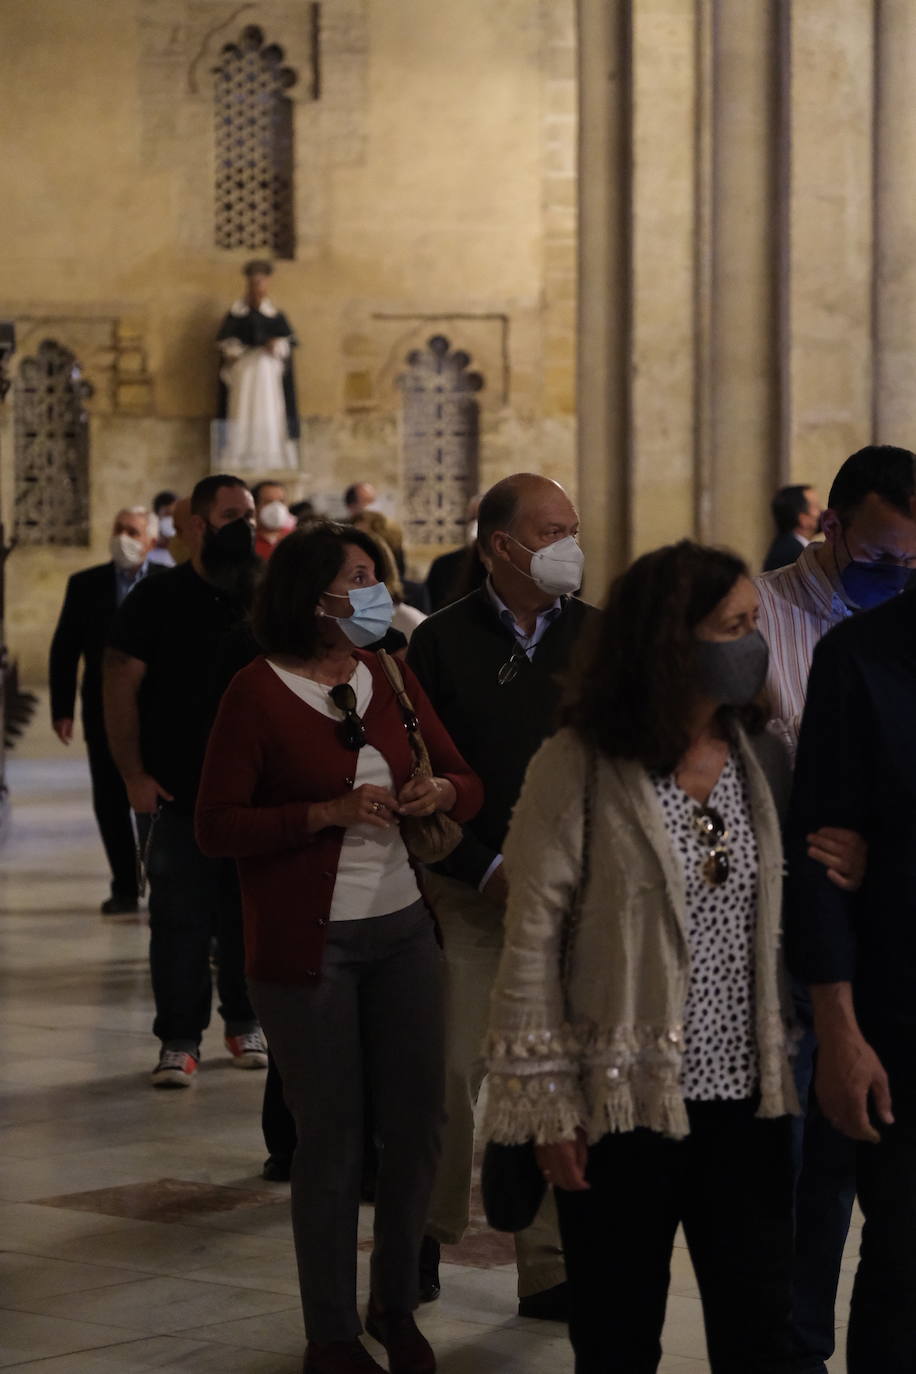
(254, 146)
(441, 440)
(51, 430)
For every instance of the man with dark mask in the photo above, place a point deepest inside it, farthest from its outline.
(866, 559)
(161, 691)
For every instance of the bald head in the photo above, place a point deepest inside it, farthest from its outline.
(520, 499)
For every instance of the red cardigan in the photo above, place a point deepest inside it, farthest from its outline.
(271, 756)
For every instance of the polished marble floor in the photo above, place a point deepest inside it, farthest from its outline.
(135, 1233)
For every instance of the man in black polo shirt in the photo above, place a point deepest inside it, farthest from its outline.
(162, 685)
(491, 665)
(857, 950)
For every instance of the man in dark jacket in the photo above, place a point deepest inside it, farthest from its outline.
(857, 950)
(93, 596)
(491, 664)
(797, 513)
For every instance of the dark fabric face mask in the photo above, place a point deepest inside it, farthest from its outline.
(871, 584)
(232, 543)
(230, 562)
(732, 671)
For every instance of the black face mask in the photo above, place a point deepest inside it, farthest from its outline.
(232, 543)
(229, 559)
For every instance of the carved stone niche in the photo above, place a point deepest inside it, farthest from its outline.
(441, 437)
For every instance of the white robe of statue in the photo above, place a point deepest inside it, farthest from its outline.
(257, 438)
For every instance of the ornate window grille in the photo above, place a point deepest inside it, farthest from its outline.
(254, 146)
(441, 427)
(51, 431)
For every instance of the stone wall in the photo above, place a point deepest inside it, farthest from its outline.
(747, 283)
(434, 193)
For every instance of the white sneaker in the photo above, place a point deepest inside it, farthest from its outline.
(249, 1051)
(175, 1069)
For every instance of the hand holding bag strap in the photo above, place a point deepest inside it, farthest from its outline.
(417, 743)
(429, 839)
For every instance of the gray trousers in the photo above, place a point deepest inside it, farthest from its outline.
(369, 1037)
(472, 933)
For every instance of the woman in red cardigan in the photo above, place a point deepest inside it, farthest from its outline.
(307, 775)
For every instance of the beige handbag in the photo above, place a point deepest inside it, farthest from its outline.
(428, 838)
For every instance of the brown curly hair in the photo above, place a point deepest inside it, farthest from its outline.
(630, 687)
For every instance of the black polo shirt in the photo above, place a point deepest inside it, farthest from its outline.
(178, 625)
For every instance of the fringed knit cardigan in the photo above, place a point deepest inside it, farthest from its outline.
(604, 1052)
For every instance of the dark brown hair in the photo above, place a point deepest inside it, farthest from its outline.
(630, 688)
(301, 567)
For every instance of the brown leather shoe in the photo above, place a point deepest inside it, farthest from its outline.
(409, 1352)
(339, 1357)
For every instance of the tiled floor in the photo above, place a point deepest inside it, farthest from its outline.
(135, 1233)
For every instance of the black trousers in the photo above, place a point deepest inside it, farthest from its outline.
(375, 1018)
(113, 814)
(191, 899)
(882, 1321)
(729, 1183)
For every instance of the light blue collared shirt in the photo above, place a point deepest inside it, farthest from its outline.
(126, 579)
(544, 619)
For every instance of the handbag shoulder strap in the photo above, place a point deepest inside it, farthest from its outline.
(396, 678)
(574, 915)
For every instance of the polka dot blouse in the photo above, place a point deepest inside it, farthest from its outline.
(720, 1047)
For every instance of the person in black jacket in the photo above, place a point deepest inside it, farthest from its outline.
(856, 769)
(491, 665)
(797, 512)
(93, 596)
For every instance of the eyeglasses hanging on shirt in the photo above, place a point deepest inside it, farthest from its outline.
(510, 669)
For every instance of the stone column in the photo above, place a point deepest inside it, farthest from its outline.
(826, 337)
(895, 223)
(664, 249)
(741, 469)
(603, 291)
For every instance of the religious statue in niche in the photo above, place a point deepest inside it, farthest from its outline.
(259, 428)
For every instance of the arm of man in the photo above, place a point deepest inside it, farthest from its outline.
(66, 651)
(123, 676)
(833, 784)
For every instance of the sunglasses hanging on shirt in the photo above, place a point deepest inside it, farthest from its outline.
(351, 729)
(711, 827)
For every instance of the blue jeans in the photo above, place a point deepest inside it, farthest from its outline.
(192, 899)
(825, 1191)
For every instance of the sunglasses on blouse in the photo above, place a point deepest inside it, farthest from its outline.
(713, 834)
(351, 729)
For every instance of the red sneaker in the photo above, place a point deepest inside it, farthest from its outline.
(175, 1069)
(249, 1051)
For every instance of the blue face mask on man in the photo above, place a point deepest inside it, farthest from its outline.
(871, 584)
(372, 612)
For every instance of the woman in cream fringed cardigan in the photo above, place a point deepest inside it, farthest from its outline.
(650, 1065)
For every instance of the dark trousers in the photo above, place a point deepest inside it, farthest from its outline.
(277, 1122)
(882, 1321)
(824, 1196)
(113, 815)
(192, 899)
(729, 1183)
(375, 1018)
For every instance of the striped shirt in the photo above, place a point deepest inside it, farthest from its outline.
(798, 605)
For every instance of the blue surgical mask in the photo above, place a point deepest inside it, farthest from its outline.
(372, 612)
(871, 584)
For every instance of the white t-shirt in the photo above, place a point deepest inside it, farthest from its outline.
(374, 876)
